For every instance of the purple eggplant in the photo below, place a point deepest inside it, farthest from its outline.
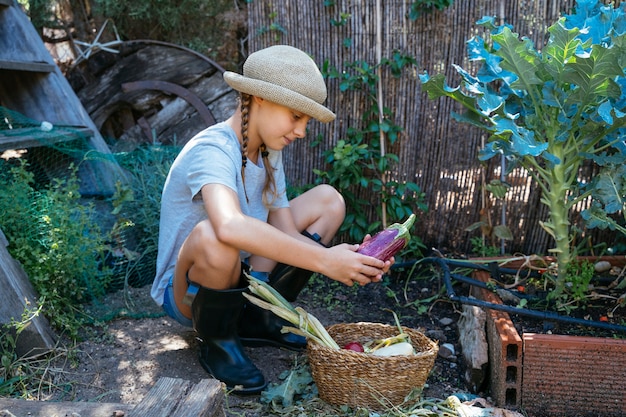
(386, 243)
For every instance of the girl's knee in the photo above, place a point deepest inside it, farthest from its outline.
(204, 231)
(332, 198)
(206, 252)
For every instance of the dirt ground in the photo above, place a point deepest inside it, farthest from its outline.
(121, 362)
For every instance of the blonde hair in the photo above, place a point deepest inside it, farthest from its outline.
(270, 193)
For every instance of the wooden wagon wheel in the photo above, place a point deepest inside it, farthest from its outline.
(151, 91)
(172, 88)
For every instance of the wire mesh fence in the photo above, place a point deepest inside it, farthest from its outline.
(87, 246)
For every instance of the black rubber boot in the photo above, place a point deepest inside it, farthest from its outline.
(261, 327)
(289, 281)
(216, 316)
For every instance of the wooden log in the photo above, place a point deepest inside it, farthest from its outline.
(13, 407)
(473, 340)
(16, 295)
(175, 397)
(170, 397)
(26, 66)
(29, 137)
(104, 94)
(168, 102)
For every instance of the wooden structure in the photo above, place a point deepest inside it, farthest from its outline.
(170, 397)
(437, 153)
(151, 91)
(16, 294)
(32, 85)
(138, 92)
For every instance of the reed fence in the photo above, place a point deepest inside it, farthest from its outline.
(435, 152)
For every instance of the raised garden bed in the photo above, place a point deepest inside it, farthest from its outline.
(553, 374)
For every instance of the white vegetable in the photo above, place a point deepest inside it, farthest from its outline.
(402, 348)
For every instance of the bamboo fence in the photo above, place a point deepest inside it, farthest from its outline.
(435, 152)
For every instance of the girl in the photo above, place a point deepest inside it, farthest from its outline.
(224, 210)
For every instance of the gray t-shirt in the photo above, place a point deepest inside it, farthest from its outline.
(213, 156)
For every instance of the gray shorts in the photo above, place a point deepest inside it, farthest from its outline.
(170, 308)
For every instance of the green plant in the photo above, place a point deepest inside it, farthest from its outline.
(52, 233)
(213, 28)
(479, 248)
(21, 375)
(550, 109)
(420, 305)
(331, 294)
(343, 19)
(41, 13)
(165, 16)
(274, 27)
(609, 199)
(578, 279)
(421, 7)
(358, 162)
(486, 244)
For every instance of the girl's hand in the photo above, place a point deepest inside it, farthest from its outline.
(345, 265)
(389, 262)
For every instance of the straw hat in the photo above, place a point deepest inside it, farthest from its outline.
(284, 75)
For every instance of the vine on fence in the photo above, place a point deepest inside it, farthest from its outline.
(421, 7)
(357, 163)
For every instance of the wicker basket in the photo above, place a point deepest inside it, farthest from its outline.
(361, 380)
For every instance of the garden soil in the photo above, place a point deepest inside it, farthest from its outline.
(120, 361)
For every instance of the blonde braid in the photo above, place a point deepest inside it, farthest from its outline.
(269, 188)
(245, 113)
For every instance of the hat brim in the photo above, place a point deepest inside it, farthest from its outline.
(279, 95)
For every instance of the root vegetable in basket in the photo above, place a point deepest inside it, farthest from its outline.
(401, 348)
(355, 346)
(386, 243)
(399, 344)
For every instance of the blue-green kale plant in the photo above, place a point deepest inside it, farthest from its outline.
(550, 109)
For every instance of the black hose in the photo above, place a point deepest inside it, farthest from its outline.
(444, 264)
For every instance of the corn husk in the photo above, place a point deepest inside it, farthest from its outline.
(305, 324)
